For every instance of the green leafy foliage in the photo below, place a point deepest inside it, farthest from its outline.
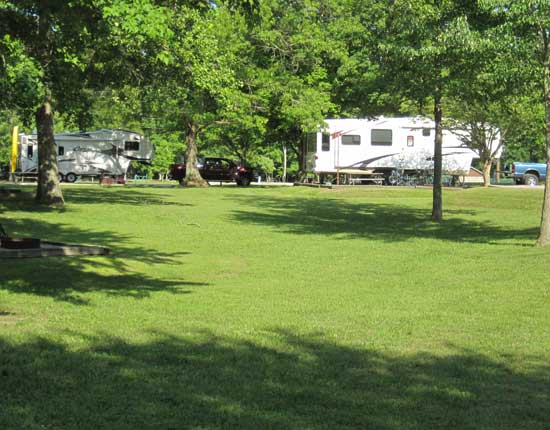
(252, 77)
(20, 79)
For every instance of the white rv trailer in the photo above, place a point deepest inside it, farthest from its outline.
(381, 145)
(105, 152)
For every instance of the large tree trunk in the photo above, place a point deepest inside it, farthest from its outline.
(544, 235)
(193, 177)
(300, 151)
(487, 163)
(48, 190)
(437, 207)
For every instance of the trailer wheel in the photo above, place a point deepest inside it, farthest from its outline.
(70, 177)
(60, 177)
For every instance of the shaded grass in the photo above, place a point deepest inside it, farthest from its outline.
(206, 381)
(278, 308)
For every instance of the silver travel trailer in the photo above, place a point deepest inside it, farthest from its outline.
(374, 148)
(106, 152)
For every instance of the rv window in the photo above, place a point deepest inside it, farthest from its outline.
(426, 132)
(29, 151)
(131, 145)
(381, 137)
(351, 139)
(60, 150)
(410, 140)
(325, 145)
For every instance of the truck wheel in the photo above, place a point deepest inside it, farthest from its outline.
(529, 179)
(70, 177)
(243, 181)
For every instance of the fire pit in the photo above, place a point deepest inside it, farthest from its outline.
(19, 243)
(25, 247)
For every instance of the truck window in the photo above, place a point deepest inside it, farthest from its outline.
(351, 139)
(381, 137)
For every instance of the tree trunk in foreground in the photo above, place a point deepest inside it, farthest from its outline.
(48, 190)
(193, 177)
(544, 234)
(487, 172)
(437, 207)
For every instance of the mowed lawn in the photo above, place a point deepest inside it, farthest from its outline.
(272, 308)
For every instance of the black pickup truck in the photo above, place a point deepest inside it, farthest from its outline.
(216, 169)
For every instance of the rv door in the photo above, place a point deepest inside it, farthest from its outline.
(310, 151)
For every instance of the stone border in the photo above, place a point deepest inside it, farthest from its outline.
(54, 249)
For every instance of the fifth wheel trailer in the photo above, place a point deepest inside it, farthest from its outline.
(379, 146)
(106, 152)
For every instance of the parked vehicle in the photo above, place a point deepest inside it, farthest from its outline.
(103, 153)
(378, 146)
(216, 169)
(528, 173)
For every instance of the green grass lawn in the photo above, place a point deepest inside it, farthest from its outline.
(278, 308)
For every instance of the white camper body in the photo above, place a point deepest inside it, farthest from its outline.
(380, 145)
(105, 152)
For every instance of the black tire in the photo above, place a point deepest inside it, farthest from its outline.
(530, 179)
(70, 177)
(60, 177)
(243, 181)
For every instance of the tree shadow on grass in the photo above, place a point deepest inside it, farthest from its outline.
(306, 382)
(385, 222)
(119, 196)
(71, 278)
(24, 200)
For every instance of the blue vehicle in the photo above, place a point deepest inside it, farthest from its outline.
(528, 173)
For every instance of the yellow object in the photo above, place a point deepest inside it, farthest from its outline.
(14, 145)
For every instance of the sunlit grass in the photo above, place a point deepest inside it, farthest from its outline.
(278, 308)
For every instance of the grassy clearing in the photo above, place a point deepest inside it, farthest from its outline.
(278, 309)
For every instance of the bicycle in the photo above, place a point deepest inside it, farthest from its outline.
(400, 178)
